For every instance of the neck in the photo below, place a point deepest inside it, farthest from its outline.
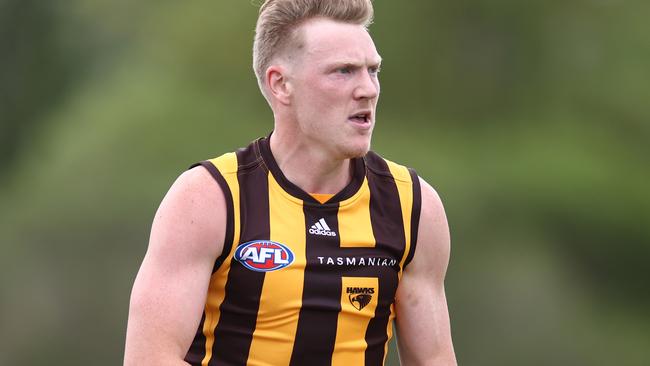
(312, 169)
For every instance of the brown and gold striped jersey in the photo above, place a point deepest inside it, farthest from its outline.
(301, 282)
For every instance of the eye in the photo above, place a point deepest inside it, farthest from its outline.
(344, 70)
(374, 70)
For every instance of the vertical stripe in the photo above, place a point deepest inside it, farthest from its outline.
(353, 319)
(356, 232)
(405, 190)
(227, 165)
(354, 221)
(415, 216)
(390, 327)
(281, 297)
(239, 308)
(216, 295)
(386, 219)
(321, 304)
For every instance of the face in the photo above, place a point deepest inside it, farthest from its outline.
(334, 87)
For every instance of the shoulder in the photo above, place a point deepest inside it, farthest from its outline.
(195, 189)
(191, 216)
(433, 243)
(432, 207)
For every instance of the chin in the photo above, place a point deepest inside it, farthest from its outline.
(357, 151)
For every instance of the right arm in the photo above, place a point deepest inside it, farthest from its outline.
(170, 289)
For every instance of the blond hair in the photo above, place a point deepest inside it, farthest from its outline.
(279, 18)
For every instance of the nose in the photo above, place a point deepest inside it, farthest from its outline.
(368, 87)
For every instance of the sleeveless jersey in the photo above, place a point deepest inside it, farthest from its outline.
(300, 282)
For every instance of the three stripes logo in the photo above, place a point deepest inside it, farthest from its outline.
(321, 228)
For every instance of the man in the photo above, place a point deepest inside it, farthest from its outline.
(301, 248)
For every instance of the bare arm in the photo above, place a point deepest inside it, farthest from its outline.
(170, 289)
(423, 330)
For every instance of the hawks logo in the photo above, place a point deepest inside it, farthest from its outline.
(264, 255)
(360, 296)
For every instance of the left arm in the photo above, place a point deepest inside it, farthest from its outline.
(422, 318)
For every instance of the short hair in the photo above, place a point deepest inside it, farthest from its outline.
(279, 18)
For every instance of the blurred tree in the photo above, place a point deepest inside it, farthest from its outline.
(34, 71)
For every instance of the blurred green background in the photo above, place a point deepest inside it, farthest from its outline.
(531, 118)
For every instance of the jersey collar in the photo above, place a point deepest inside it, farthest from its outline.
(358, 175)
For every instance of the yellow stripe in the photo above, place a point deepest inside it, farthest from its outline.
(405, 190)
(353, 320)
(355, 229)
(391, 317)
(227, 165)
(281, 298)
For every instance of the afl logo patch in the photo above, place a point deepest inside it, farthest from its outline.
(264, 255)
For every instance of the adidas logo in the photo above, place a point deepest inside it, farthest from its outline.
(321, 228)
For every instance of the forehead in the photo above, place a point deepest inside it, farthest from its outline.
(327, 40)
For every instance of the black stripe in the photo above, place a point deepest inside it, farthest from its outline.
(234, 332)
(316, 332)
(415, 215)
(388, 229)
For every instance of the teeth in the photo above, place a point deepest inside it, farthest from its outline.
(361, 116)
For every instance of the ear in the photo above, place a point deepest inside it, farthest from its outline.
(277, 82)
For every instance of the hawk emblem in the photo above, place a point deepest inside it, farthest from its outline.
(359, 301)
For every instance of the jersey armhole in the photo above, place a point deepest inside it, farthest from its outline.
(230, 224)
(415, 215)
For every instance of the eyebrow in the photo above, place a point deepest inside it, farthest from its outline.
(355, 63)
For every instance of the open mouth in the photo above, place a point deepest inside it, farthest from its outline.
(363, 117)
